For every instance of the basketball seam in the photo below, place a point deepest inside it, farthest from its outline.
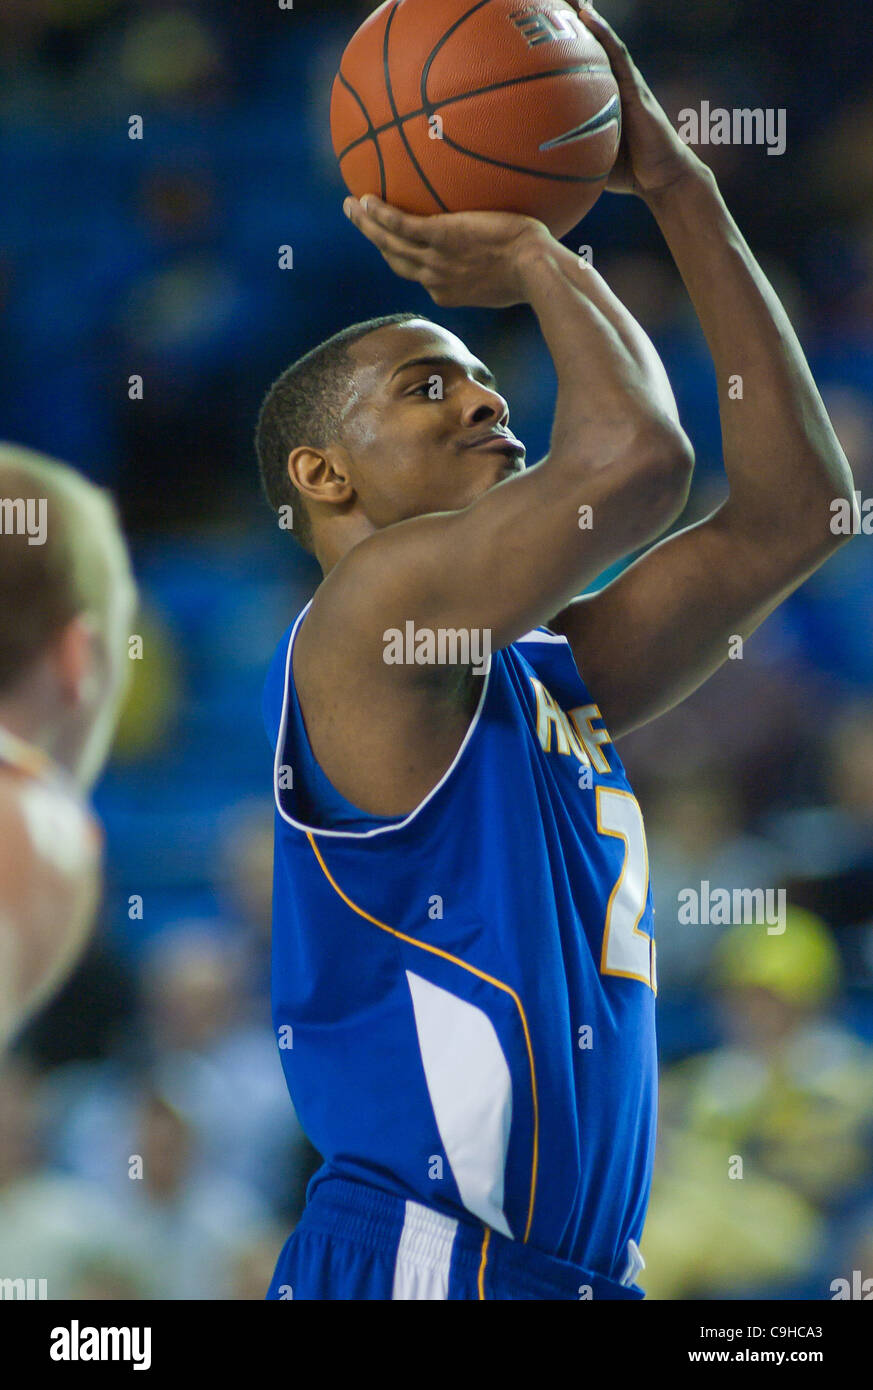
(486, 159)
(443, 39)
(371, 132)
(402, 133)
(522, 169)
(466, 96)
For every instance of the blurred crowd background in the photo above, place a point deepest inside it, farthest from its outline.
(160, 257)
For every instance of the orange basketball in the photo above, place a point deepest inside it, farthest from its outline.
(449, 106)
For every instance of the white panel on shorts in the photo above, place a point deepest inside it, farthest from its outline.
(471, 1093)
(424, 1254)
(635, 1263)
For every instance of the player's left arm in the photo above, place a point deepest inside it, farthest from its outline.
(647, 640)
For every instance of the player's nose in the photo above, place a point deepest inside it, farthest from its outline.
(483, 406)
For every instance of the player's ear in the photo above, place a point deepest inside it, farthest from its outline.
(321, 474)
(75, 657)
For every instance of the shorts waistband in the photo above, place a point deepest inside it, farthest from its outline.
(368, 1216)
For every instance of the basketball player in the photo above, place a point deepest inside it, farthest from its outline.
(464, 964)
(66, 602)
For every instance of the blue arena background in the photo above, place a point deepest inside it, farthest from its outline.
(159, 257)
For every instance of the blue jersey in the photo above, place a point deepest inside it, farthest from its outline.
(464, 996)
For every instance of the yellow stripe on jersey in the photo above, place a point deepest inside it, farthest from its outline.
(498, 984)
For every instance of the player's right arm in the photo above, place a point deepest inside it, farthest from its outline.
(510, 560)
(506, 563)
(49, 887)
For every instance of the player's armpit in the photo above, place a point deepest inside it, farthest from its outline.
(649, 639)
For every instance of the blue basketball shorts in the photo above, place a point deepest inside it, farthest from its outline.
(359, 1243)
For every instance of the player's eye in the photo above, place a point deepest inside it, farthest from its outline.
(424, 386)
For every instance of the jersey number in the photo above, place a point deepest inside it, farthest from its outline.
(626, 950)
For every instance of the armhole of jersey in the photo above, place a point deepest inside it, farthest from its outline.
(541, 634)
(547, 636)
(386, 825)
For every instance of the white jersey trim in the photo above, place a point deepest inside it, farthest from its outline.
(377, 829)
(536, 636)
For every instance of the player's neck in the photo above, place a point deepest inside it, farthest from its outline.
(23, 719)
(20, 748)
(332, 544)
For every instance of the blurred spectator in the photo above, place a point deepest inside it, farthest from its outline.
(696, 834)
(219, 1070)
(52, 1224)
(187, 1221)
(765, 1132)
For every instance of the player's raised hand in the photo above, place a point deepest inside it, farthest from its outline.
(651, 155)
(470, 258)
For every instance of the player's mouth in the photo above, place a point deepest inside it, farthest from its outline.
(500, 442)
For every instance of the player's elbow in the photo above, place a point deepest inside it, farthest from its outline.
(843, 518)
(663, 465)
(672, 455)
(821, 525)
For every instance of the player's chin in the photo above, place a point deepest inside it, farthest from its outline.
(499, 470)
(482, 486)
(506, 466)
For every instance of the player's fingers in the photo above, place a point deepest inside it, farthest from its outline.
(375, 232)
(407, 269)
(615, 50)
(403, 224)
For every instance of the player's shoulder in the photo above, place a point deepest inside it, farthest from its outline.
(15, 838)
(386, 574)
(50, 854)
(48, 834)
